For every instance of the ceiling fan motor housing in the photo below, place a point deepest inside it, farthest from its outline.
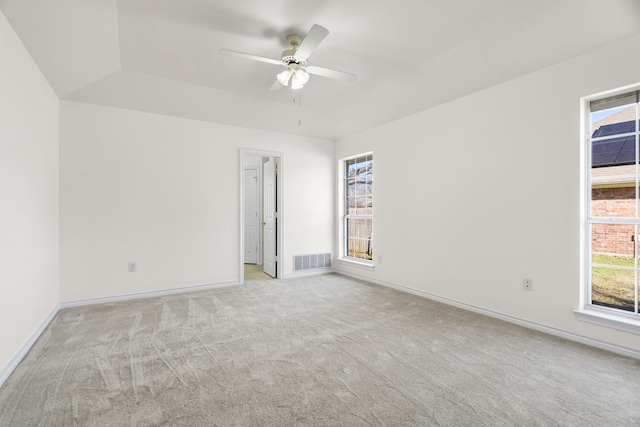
(288, 56)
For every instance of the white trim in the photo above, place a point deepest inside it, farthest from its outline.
(611, 320)
(124, 297)
(585, 200)
(625, 351)
(8, 369)
(614, 220)
(341, 216)
(303, 273)
(353, 262)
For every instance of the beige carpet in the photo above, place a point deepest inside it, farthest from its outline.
(254, 272)
(318, 351)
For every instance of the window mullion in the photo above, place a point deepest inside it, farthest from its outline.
(613, 220)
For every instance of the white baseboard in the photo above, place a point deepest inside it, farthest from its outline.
(8, 369)
(124, 297)
(303, 273)
(625, 351)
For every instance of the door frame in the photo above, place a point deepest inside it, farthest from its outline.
(279, 207)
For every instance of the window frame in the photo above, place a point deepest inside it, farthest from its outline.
(343, 215)
(592, 313)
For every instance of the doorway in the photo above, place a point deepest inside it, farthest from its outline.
(261, 216)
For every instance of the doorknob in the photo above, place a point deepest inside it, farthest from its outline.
(263, 223)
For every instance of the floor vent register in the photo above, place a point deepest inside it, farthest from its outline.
(311, 262)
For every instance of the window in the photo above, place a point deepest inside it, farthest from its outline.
(612, 211)
(357, 218)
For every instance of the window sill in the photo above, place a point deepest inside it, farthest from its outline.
(610, 320)
(353, 263)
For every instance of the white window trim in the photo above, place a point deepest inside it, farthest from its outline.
(342, 258)
(602, 316)
(356, 262)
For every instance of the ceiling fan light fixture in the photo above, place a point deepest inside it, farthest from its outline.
(295, 84)
(301, 76)
(284, 77)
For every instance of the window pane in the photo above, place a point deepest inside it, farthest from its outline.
(614, 201)
(613, 162)
(613, 121)
(613, 246)
(350, 189)
(363, 176)
(358, 238)
(615, 240)
(613, 288)
(350, 167)
(611, 152)
(349, 194)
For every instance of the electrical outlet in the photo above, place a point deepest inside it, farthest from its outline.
(527, 284)
(132, 267)
(379, 259)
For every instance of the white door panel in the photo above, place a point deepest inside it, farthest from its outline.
(251, 219)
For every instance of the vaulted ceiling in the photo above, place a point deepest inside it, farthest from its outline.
(162, 56)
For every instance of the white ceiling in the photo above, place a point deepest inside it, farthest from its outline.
(162, 56)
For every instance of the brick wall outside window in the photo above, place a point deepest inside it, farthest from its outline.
(613, 239)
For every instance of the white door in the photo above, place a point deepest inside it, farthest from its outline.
(270, 217)
(251, 219)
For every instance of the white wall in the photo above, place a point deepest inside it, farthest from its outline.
(165, 192)
(29, 289)
(477, 194)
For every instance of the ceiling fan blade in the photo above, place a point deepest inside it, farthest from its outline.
(332, 74)
(249, 56)
(311, 41)
(276, 86)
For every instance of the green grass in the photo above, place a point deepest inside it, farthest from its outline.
(612, 260)
(613, 287)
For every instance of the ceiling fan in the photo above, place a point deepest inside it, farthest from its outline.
(295, 59)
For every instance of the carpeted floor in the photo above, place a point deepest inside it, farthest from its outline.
(316, 351)
(254, 272)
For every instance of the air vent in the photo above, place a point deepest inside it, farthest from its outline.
(311, 262)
